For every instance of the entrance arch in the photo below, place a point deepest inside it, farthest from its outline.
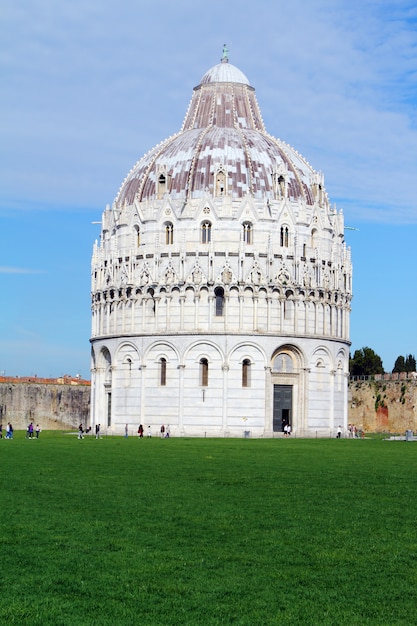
(287, 377)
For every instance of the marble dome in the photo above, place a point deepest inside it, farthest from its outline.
(223, 129)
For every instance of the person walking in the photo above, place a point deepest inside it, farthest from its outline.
(38, 431)
(127, 430)
(97, 431)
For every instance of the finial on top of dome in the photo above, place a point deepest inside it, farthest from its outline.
(225, 55)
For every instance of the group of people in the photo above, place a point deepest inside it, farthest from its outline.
(287, 430)
(352, 431)
(82, 432)
(165, 431)
(31, 430)
(9, 431)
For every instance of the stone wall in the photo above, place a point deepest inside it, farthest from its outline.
(384, 404)
(51, 403)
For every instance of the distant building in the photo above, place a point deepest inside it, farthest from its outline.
(221, 284)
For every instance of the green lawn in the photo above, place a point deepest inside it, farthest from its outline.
(207, 531)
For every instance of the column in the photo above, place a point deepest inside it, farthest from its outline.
(225, 369)
(304, 392)
(156, 315)
(332, 420)
(93, 407)
(268, 313)
(181, 299)
(268, 426)
(168, 311)
(255, 311)
(181, 399)
(210, 311)
(132, 316)
(107, 318)
(345, 401)
(295, 309)
(196, 309)
(142, 369)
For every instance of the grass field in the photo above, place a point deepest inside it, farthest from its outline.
(205, 531)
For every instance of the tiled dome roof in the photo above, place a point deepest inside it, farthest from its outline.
(223, 129)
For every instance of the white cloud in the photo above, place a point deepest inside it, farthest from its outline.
(18, 270)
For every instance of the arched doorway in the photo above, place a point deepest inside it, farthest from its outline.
(282, 411)
(286, 381)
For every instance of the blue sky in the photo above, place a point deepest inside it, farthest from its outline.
(90, 86)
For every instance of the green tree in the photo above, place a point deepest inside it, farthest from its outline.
(399, 365)
(365, 362)
(410, 363)
(407, 364)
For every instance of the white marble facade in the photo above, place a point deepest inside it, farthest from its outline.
(221, 284)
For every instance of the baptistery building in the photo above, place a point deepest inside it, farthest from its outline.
(221, 283)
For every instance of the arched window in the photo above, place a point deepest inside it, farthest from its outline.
(162, 372)
(136, 235)
(220, 183)
(281, 185)
(320, 194)
(219, 293)
(314, 238)
(246, 373)
(169, 233)
(284, 237)
(127, 366)
(203, 372)
(205, 232)
(283, 363)
(162, 183)
(247, 232)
